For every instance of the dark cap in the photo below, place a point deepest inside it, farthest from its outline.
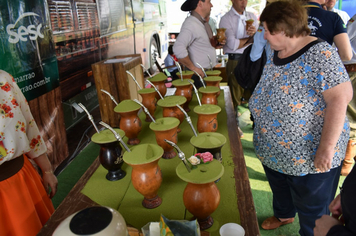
(189, 5)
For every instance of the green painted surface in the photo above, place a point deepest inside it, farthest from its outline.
(202, 174)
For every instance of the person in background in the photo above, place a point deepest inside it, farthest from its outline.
(351, 107)
(195, 42)
(342, 222)
(299, 108)
(234, 21)
(170, 63)
(330, 6)
(25, 197)
(328, 26)
(212, 23)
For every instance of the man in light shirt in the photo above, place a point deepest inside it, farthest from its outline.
(195, 42)
(330, 6)
(236, 38)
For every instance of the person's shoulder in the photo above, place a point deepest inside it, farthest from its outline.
(251, 15)
(227, 14)
(6, 76)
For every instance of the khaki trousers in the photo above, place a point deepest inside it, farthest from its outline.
(236, 90)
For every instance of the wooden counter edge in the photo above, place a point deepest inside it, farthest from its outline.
(73, 202)
(248, 216)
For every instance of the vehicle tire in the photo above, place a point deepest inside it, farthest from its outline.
(153, 54)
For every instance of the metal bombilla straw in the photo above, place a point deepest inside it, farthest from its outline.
(181, 154)
(90, 117)
(188, 119)
(196, 91)
(145, 70)
(117, 136)
(202, 69)
(155, 89)
(210, 62)
(201, 79)
(111, 97)
(128, 72)
(145, 109)
(180, 70)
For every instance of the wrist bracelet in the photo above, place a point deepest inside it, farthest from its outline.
(48, 172)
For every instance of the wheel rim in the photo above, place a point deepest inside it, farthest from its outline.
(154, 54)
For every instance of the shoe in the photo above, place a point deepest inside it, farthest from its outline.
(349, 158)
(273, 222)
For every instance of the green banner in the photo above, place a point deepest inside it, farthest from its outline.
(27, 50)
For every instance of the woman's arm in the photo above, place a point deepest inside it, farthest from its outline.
(49, 179)
(336, 99)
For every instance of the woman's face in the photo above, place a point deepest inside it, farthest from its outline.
(276, 40)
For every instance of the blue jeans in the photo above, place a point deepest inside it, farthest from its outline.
(309, 195)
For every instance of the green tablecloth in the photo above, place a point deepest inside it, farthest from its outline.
(121, 195)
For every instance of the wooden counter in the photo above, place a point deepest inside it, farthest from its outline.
(76, 201)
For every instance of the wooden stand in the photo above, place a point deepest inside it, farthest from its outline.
(112, 77)
(48, 114)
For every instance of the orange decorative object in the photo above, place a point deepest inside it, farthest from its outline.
(166, 128)
(207, 117)
(202, 200)
(185, 74)
(184, 88)
(146, 175)
(213, 81)
(149, 101)
(201, 196)
(170, 109)
(130, 123)
(209, 95)
(159, 81)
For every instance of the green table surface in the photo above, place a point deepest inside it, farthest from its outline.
(121, 194)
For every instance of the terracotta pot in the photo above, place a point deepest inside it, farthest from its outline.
(209, 95)
(185, 74)
(201, 196)
(207, 117)
(184, 88)
(166, 128)
(149, 101)
(209, 142)
(170, 109)
(202, 200)
(213, 81)
(159, 81)
(130, 123)
(146, 175)
(212, 72)
(110, 154)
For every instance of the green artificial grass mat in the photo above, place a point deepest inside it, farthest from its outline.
(72, 173)
(121, 194)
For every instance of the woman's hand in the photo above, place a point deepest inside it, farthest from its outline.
(323, 159)
(50, 183)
